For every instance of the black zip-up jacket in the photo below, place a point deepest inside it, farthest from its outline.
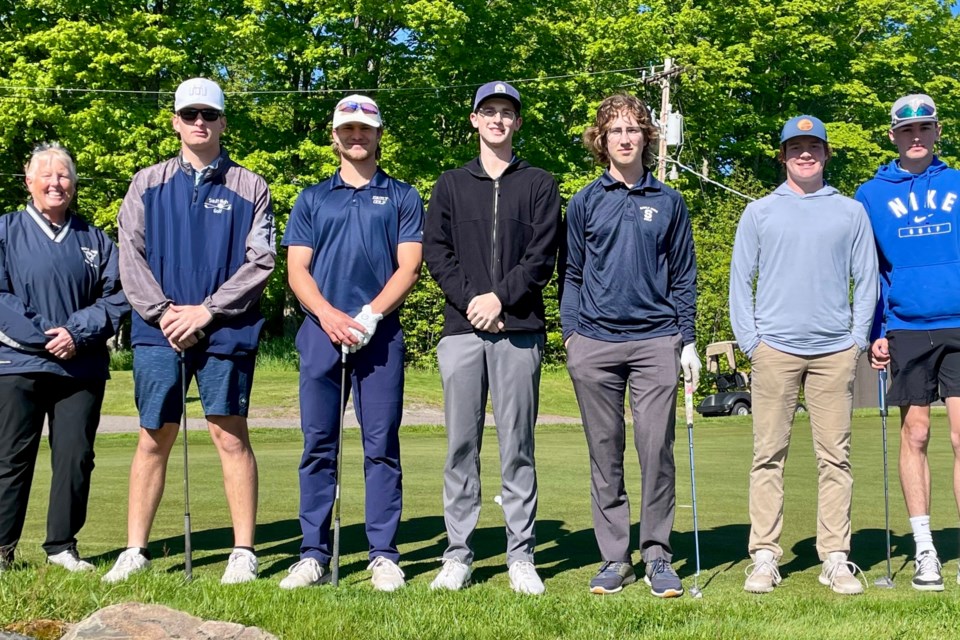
(483, 235)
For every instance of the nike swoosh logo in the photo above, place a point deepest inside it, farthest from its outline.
(919, 219)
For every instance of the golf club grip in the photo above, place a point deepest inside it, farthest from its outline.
(688, 401)
(882, 391)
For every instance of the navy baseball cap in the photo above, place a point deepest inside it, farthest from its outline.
(496, 89)
(803, 126)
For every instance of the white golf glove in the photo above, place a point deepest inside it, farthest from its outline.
(690, 364)
(369, 320)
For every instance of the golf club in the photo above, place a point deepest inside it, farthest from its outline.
(187, 547)
(688, 402)
(886, 582)
(335, 561)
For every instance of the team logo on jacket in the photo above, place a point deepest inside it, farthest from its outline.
(381, 200)
(219, 205)
(647, 213)
(90, 256)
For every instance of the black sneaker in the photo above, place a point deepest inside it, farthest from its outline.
(612, 577)
(663, 580)
(6, 557)
(927, 576)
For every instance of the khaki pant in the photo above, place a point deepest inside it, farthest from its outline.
(828, 388)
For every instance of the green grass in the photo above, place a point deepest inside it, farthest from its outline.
(275, 393)
(566, 553)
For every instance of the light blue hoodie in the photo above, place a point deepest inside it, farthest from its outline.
(914, 219)
(803, 251)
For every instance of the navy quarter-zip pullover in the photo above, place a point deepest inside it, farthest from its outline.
(631, 272)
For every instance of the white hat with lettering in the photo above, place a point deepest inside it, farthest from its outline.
(198, 91)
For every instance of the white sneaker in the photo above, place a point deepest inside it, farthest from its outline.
(524, 579)
(763, 574)
(306, 573)
(840, 574)
(387, 576)
(130, 562)
(454, 576)
(927, 576)
(241, 567)
(70, 560)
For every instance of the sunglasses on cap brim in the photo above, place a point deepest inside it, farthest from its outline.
(922, 110)
(190, 115)
(352, 107)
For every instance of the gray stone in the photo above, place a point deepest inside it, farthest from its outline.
(9, 635)
(136, 621)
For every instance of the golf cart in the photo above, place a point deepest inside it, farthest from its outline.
(733, 387)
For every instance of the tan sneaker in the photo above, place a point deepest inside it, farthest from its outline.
(763, 574)
(840, 574)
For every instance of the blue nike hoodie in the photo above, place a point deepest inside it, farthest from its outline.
(914, 219)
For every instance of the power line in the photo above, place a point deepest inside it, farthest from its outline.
(79, 178)
(706, 179)
(307, 92)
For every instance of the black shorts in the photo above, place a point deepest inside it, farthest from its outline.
(924, 366)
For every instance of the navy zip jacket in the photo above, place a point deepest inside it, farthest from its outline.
(57, 278)
(190, 242)
(631, 272)
(484, 235)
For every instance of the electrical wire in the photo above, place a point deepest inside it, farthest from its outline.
(423, 89)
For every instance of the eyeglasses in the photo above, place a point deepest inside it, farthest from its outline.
(190, 115)
(491, 113)
(351, 107)
(630, 132)
(918, 111)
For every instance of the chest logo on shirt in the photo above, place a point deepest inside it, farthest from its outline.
(647, 213)
(219, 205)
(90, 256)
(932, 203)
(380, 200)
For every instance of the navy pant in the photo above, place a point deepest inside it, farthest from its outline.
(72, 407)
(375, 374)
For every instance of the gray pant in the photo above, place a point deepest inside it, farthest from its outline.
(508, 364)
(600, 372)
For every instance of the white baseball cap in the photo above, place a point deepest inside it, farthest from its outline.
(357, 108)
(198, 91)
(917, 107)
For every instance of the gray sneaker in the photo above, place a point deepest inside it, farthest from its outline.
(663, 580)
(612, 577)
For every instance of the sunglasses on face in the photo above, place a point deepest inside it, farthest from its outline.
(190, 115)
(909, 111)
(351, 107)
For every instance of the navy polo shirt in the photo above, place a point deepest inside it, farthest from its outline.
(630, 271)
(354, 233)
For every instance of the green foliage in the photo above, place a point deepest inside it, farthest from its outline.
(99, 78)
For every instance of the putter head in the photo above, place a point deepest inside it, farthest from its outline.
(883, 583)
(696, 593)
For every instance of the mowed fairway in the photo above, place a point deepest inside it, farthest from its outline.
(566, 555)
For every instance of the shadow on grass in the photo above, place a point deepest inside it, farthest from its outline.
(869, 549)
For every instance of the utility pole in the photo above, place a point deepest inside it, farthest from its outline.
(664, 114)
(663, 79)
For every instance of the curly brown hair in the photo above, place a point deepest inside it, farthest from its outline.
(595, 137)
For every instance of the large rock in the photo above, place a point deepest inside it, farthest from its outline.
(136, 621)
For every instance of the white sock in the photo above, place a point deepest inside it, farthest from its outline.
(922, 537)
